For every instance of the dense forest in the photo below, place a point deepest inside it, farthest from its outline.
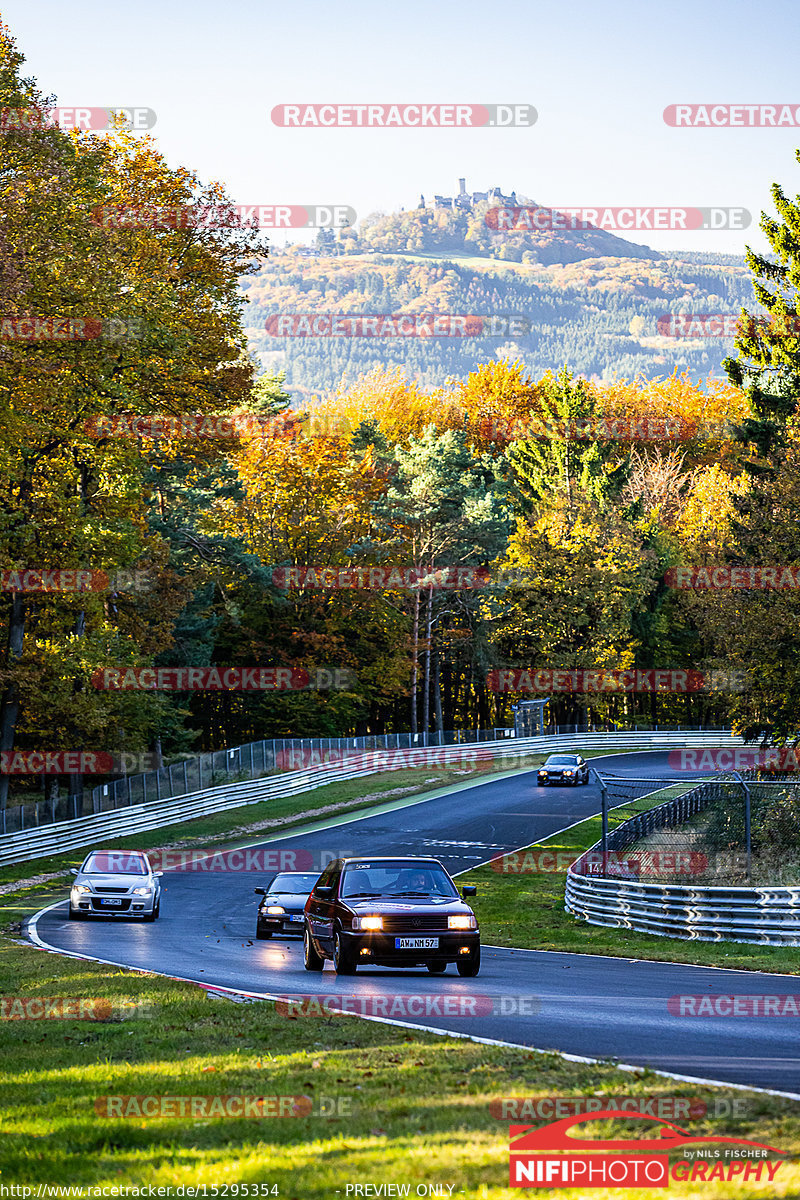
(598, 314)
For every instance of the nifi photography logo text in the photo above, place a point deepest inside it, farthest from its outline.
(549, 1156)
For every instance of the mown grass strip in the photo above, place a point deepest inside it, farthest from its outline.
(405, 1107)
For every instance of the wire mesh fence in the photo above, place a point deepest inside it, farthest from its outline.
(254, 760)
(735, 829)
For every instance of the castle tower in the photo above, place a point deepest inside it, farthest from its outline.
(462, 187)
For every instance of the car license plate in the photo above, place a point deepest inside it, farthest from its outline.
(109, 900)
(296, 917)
(416, 943)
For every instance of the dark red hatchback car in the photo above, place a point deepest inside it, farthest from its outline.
(390, 912)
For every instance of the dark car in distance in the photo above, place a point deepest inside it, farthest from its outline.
(284, 899)
(390, 912)
(563, 768)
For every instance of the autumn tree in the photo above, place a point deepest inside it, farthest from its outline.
(445, 506)
(767, 361)
(157, 324)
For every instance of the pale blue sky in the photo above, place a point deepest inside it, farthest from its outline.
(599, 75)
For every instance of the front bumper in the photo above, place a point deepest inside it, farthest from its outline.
(453, 944)
(129, 906)
(282, 924)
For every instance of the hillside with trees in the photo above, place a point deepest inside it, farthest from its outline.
(584, 296)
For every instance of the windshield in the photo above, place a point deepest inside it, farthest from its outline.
(293, 885)
(114, 862)
(400, 878)
(561, 760)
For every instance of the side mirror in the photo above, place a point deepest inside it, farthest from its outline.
(469, 889)
(323, 891)
(158, 874)
(259, 891)
(73, 870)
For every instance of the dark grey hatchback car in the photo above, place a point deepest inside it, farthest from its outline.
(283, 903)
(390, 912)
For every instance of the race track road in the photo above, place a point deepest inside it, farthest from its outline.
(600, 1008)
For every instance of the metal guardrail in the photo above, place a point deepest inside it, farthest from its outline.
(111, 825)
(757, 915)
(255, 759)
(212, 768)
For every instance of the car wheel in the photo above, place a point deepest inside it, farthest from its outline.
(263, 934)
(470, 966)
(311, 960)
(76, 915)
(436, 968)
(342, 962)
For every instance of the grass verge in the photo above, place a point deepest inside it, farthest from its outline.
(406, 1107)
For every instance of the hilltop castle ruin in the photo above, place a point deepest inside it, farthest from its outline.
(467, 200)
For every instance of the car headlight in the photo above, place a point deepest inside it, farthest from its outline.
(569, 772)
(143, 891)
(81, 889)
(274, 910)
(367, 922)
(543, 772)
(462, 922)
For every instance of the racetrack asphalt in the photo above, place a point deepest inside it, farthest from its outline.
(585, 1005)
